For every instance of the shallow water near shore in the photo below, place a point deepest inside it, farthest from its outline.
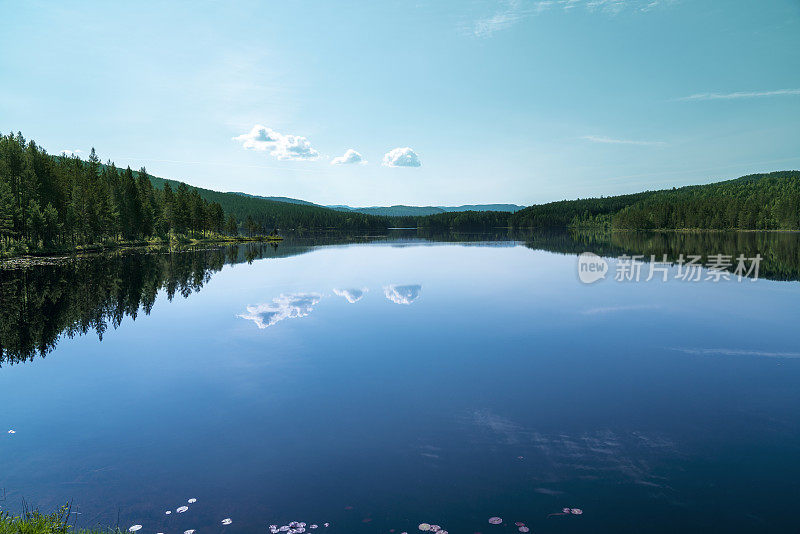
(380, 383)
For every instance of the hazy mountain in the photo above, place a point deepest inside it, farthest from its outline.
(484, 207)
(398, 210)
(419, 211)
(280, 199)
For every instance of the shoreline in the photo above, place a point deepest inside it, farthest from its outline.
(90, 250)
(37, 522)
(176, 245)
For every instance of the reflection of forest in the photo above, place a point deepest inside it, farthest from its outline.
(40, 301)
(72, 296)
(780, 251)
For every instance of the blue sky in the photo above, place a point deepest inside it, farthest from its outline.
(447, 102)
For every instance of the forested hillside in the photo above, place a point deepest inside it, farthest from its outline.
(755, 202)
(282, 199)
(395, 211)
(284, 215)
(464, 220)
(564, 212)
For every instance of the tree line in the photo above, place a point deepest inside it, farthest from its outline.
(48, 202)
(58, 202)
(463, 220)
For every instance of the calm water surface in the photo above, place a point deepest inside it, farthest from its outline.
(383, 384)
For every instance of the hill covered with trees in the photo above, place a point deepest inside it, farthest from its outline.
(565, 212)
(463, 220)
(754, 202)
(288, 214)
(768, 201)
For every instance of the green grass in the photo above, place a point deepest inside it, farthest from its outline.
(36, 522)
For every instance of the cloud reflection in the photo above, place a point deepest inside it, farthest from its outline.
(612, 309)
(352, 295)
(634, 456)
(738, 352)
(286, 306)
(402, 294)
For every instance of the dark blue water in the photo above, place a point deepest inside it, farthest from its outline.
(379, 386)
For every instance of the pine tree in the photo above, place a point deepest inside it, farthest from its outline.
(149, 209)
(216, 217)
(91, 191)
(6, 210)
(168, 203)
(132, 211)
(198, 212)
(250, 225)
(50, 226)
(231, 228)
(182, 217)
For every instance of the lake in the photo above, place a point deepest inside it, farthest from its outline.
(379, 382)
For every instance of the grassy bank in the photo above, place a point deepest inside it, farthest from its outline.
(36, 522)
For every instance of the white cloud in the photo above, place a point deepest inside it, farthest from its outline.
(281, 146)
(615, 6)
(402, 294)
(612, 141)
(68, 153)
(401, 157)
(351, 295)
(349, 157)
(742, 94)
(511, 12)
(497, 22)
(289, 306)
(609, 6)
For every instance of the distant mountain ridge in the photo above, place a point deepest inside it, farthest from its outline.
(287, 200)
(279, 212)
(401, 210)
(398, 210)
